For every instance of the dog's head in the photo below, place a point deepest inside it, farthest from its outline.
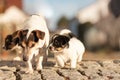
(58, 43)
(12, 40)
(32, 43)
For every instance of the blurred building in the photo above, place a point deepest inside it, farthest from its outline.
(11, 17)
(105, 28)
(114, 7)
(94, 12)
(4, 4)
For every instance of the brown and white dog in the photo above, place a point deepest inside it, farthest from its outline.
(36, 41)
(12, 42)
(66, 47)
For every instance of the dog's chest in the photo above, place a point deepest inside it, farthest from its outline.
(64, 55)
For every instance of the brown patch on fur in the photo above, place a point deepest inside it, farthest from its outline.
(14, 39)
(39, 34)
(34, 37)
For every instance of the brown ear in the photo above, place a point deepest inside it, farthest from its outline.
(16, 33)
(39, 34)
(24, 32)
(53, 37)
(16, 36)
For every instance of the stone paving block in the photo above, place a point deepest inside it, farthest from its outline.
(109, 64)
(7, 75)
(21, 72)
(87, 70)
(109, 73)
(71, 74)
(26, 76)
(90, 65)
(50, 74)
(116, 61)
(6, 68)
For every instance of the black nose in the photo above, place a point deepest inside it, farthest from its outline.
(3, 47)
(50, 47)
(25, 58)
(6, 48)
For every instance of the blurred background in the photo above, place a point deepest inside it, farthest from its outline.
(95, 22)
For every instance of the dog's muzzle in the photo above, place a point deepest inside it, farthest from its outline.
(4, 47)
(51, 48)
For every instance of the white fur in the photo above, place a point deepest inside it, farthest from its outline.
(18, 49)
(73, 54)
(36, 22)
(65, 31)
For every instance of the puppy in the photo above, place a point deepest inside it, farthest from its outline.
(12, 41)
(66, 47)
(36, 41)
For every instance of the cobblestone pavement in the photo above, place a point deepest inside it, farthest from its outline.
(86, 70)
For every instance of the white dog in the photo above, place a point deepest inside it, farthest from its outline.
(66, 47)
(36, 40)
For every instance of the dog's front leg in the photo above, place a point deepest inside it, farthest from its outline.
(39, 64)
(56, 65)
(29, 63)
(73, 63)
(60, 61)
(30, 69)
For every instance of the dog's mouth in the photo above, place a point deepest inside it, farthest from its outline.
(58, 49)
(6, 47)
(53, 49)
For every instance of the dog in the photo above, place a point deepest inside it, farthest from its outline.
(12, 42)
(36, 41)
(66, 47)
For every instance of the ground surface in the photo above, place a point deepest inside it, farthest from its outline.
(86, 70)
(95, 66)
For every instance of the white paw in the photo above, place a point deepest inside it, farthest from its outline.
(39, 68)
(29, 72)
(56, 65)
(73, 67)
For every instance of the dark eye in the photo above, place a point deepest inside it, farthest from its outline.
(56, 42)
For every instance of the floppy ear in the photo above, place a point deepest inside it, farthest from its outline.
(38, 35)
(8, 37)
(16, 40)
(23, 34)
(17, 36)
(67, 39)
(54, 36)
